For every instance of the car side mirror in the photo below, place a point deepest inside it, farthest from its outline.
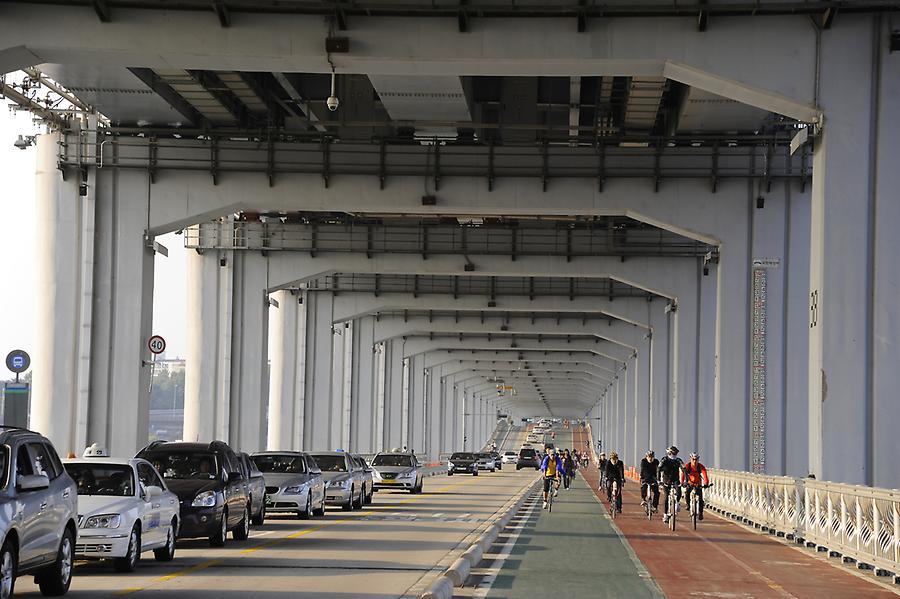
(235, 477)
(153, 491)
(32, 482)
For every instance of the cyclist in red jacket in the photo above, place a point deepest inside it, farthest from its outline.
(694, 476)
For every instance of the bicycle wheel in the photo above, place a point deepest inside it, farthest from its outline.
(550, 499)
(694, 509)
(672, 504)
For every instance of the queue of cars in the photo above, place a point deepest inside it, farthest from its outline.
(54, 511)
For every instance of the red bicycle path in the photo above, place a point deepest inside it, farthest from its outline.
(723, 559)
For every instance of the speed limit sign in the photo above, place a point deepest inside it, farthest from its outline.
(156, 344)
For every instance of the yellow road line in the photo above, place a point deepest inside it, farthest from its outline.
(272, 543)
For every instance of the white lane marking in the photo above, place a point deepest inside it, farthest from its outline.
(438, 515)
(463, 516)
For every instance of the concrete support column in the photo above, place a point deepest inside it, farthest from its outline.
(707, 362)
(854, 327)
(363, 397)
(317, 429)
(341, 368)
(249, 353)
(660, 372)
(393, 394)
(684, 358)
(286, 378)
(628, 412)
(434, 414)
(417, 404)
(94, 308)
(207, 385)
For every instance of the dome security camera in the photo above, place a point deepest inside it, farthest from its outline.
(333, 103)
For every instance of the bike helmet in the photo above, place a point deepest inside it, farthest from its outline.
(651, 454)
(672, 449)
(695, 456)
(614, 455)
(603, 455)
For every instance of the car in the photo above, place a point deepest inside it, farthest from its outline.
(209, 482)
(38, 513)
(498, 461)
(256, 489)
(398, 470)
(294, 483)
(532, 438)
(485, 461)
(343, 480)
(509, 457)
(528, 458)
(368, 478)
(124, 509)
(462, 462)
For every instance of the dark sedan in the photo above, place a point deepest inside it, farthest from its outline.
(208, 479)
(462, 463)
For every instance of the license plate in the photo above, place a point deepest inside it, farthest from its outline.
(389, 482)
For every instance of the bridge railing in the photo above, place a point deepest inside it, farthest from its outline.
(855, 522)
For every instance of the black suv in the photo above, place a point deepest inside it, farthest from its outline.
(38, 513)
(528, 458)
(211, 487)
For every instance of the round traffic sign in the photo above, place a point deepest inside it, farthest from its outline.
(18, 361)
(156, 344)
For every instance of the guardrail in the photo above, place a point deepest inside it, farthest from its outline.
(856, 523)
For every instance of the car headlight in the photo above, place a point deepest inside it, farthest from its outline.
(341, 484)
(450, 465)
(103, 521)
(293, 490)
(406, 475)
(205, 499)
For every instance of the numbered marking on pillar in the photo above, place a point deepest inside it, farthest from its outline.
(156, 344)
(814, 308)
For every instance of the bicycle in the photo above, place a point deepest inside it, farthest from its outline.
(694, 501)
(614, 501)
(554, 485)
(648, 502)
(671, 503)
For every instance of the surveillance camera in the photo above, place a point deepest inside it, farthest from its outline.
(21, 143)
(333, 103)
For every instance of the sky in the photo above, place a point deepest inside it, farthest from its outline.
(17, 241)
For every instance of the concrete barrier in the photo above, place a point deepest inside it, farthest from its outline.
(442, 588)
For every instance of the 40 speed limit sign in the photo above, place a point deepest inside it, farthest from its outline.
(156, 344)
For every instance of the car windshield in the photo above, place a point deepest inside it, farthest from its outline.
(483, 456)
(528, 453)
(282, 464)
(183, 464)
(392, 460)
(102, 479)
(331, 463)
(462, 456)
(510, 453)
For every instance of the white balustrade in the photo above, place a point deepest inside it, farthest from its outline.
(858, 522)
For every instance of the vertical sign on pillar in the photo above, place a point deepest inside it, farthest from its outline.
(758, 366)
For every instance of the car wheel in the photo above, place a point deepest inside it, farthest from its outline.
(55, 579)
(166, 553)
(369, 497)
(358, 502)
(132, 554)
(305, 514)
(449, 473)
(475, 473)
(518, 467)
(8, 568)
(493, 469)
(349, 505)
(260, 518)
(218, 539)
(320, 511)
(242, 531)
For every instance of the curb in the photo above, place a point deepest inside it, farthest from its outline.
(458, 572)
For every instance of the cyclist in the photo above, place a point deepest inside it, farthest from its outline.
(569, 469)
(694, 476)
(601, 466)
(615, 472)
(649, 478)
(552, 468)
(670, 469)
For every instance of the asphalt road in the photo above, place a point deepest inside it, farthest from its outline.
(386, 550)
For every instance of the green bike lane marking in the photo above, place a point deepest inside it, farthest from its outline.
(574, 551)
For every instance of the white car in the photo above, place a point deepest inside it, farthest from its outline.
(510, 457)
(124, 509)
